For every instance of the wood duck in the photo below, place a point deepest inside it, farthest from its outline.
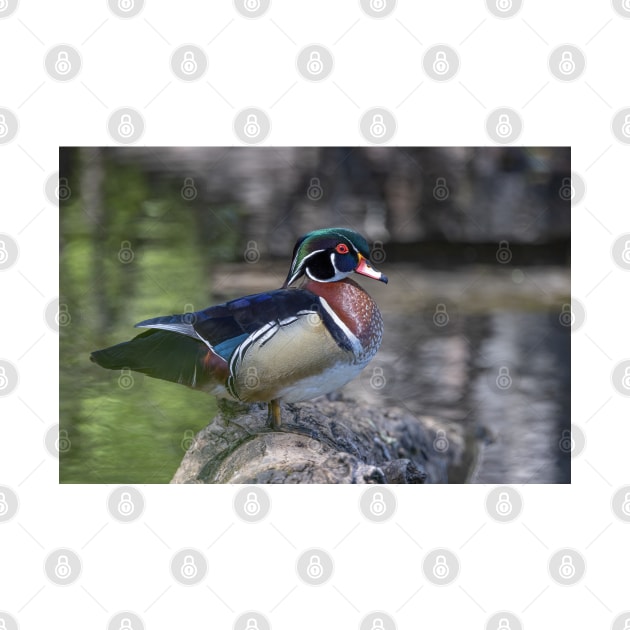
(288, 345)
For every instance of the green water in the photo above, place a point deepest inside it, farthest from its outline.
(124, 427)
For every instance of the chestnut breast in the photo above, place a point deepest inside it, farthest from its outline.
(356, 309)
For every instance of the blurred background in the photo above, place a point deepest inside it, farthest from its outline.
(475, 241)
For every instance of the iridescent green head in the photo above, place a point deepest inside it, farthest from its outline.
(330, 255)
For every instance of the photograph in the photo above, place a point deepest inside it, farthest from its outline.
(371, 315)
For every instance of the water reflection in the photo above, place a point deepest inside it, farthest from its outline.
(503, 375)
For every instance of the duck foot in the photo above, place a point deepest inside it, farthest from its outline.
(275, 414)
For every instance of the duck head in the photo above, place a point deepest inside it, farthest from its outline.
(330, 255)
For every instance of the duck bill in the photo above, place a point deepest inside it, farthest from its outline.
(365, 269)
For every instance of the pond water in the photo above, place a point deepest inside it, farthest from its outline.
(486, 352)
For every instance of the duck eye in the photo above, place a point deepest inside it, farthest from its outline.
(342, 248)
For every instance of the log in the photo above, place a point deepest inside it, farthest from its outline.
(320, 441)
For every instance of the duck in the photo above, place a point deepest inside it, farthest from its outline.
(306, 339)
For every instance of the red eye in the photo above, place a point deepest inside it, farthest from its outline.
(342, 248)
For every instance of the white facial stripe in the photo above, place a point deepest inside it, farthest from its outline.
(301, 265)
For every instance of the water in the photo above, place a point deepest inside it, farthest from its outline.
(491, 362)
